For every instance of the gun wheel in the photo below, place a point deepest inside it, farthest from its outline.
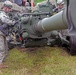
(72, 45)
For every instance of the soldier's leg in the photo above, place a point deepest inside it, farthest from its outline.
(3, 50)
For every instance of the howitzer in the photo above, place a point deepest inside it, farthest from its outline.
(39, 28)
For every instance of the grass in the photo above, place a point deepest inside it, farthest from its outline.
(40, 61)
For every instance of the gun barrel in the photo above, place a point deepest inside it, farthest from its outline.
(55, 22)
(65, 19)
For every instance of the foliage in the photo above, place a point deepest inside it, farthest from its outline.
(37, 1)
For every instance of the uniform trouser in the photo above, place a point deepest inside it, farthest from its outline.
(3, 47)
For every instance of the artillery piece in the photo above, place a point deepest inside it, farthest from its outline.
(42, 28)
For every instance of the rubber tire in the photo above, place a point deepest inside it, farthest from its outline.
(72, 45)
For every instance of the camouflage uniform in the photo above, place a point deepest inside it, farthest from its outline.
(3, 41)
(27, 8)
(15, 6)
(3, 47)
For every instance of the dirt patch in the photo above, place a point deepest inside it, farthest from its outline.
(64, 51)
(27, 49)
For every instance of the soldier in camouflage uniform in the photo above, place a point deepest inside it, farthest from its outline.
(3, 41)
(3, 49)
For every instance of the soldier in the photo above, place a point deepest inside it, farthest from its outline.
(29, 2)
(7, 6)
(27, 7)
(60, 5)
(3, 42)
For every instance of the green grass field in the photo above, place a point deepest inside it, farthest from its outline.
(40, 61)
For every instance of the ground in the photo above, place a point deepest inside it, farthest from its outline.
(39, 61)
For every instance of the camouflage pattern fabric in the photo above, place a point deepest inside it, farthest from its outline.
(3, 47)
(3, 41)
(15, 6)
